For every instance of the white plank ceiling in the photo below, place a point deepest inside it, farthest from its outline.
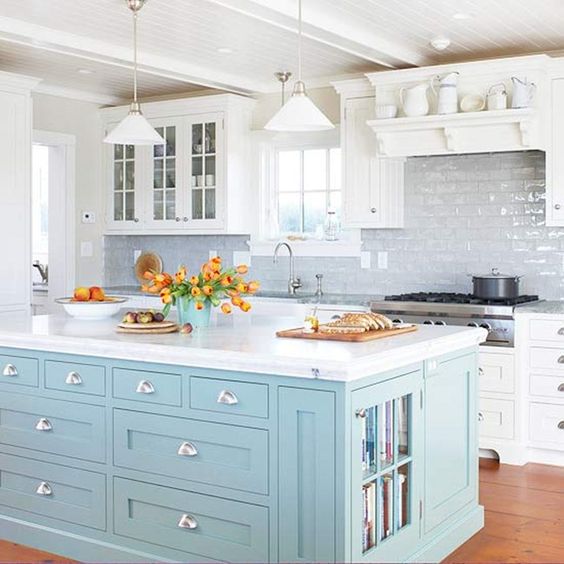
(181, 40)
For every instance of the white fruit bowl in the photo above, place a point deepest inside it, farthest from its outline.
(92, 310)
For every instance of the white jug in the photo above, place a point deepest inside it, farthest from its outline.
(497, 97)
(447, 95)
(523, 92)
(414, 100)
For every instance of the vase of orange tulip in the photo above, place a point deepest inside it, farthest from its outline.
(195, 295)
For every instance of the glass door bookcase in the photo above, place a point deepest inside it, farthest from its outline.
(385, 451)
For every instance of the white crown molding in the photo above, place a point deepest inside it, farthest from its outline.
(82, 95)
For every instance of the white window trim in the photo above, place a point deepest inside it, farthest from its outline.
(262, 243)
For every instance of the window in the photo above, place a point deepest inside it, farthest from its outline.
(308, 184)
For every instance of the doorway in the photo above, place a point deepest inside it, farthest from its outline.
(53, 222)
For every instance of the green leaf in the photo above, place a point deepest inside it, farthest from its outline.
(166, 309)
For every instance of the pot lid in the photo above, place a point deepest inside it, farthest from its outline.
(496, 274)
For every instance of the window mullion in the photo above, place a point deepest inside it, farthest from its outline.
(302, 190)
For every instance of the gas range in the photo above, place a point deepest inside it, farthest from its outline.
(436, 308)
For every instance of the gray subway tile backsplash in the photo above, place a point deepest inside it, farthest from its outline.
(464, 214)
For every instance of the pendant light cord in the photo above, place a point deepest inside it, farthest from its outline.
(135, 56)
(299, 40)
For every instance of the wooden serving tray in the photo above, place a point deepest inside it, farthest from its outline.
(156, 328)
(349, 338)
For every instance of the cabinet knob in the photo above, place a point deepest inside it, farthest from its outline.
(227, 397)
(145, 387)
(557, 206)
(187, 522)
(177, 219)
(373, 210)
(360, 413)
(561, 425)
(187, 449)
(480, 416)
(10, 370)
(44, 425)
(73, 379)
(185, 219)
(44, 489)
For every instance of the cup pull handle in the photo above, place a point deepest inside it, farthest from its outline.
(561, 331)
(73, 379)
(187, 449)
(145, 387)
(44, 489)
(227, 397)
(187, 522)
(561, 425)
(561, 359)
(561, 388)
(44, 425)
(10, 370)
(480, 416)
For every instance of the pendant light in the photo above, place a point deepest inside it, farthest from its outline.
(299, 113)
(134, 129)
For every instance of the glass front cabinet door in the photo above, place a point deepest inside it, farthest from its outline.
(206, 186)
(385, 460)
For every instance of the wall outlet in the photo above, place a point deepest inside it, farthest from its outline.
(88, 217)
(86, 249)
(136, 255)
(382, 260)
(241, 257)
(365, 259)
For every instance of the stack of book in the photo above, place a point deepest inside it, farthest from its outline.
(369, 511)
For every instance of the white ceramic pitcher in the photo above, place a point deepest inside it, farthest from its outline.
(523, 92)
(447, 93)
(414, 100)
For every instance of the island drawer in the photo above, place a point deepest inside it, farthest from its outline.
(209, 527)
(19, 370)
(59, 492)
(56, 426)
(497, 418)
(497, 373)
(546, 424)
(228, 396)
(212, 453)
(541, 357)
(75, 378)
(149, 387)
(547, 330)
(551, 386)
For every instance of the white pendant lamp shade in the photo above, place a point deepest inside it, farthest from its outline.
(299, 113)
(134, 129)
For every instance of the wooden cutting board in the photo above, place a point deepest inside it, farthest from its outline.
(348, 338)
(144, 328)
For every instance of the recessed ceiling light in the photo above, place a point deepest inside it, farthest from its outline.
(85, 71)
(461, 16)
(440, 43)
(225, 50)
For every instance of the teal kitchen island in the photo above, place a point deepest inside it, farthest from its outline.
(230, 444)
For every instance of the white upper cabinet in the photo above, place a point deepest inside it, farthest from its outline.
(197, 182)
(554, 160)
(373, 187)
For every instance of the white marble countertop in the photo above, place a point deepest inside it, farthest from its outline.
(243, 343)
(548, 307)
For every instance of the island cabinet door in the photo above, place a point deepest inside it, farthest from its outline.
(306, 493)
(387, 469)
(451, 448)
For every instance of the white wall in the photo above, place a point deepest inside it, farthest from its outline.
(81, 119)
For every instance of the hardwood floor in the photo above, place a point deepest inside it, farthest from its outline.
(524, 520)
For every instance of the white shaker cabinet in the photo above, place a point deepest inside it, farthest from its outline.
(373, 187)
(15, 191)
(196, 182)
(554, 160)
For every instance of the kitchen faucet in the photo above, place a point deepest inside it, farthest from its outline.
(43, 271)
(293, 282)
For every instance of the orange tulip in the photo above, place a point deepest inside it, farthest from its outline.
(226, 281)
(242, 269)
(165, 291)
(154, 289)
(180, 275)
(241, 287)
(208, 290)
(207, 276)
(215, 266)
(199, 306)
(166, 298)
(216, 260)
(245, 306)
(253, 286)
(226, 308)
(236, 301)
(195, 291)
(232, 293)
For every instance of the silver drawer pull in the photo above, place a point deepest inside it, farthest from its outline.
(360, 413)
(480, 416)
(187, 522)
(227, 397)
(561, 331)
(561, 388)
(481, 371)
(10, 370)
(187, 449)
(145, 387)
(44, 425)
(73, 379)
(561, 425)
(561, 359)
(44, 489)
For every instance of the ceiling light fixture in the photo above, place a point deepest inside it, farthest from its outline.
(440, 43)
(134, 129)
(283, 77)
(299, 113)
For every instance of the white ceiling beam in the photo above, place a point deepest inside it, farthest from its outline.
(320, 24)
(85, 48)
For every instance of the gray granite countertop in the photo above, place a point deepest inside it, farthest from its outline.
(548, 307)
(333, 299)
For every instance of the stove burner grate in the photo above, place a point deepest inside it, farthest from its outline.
(453, 298)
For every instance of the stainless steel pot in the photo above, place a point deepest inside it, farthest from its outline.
(496, 286)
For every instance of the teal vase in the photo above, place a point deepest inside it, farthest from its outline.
(187, 312)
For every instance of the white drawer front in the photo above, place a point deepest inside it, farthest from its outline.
(552, 359)
(545, 330)
(548, 386)
(497, 418)
(546, 424)
(497, 373)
